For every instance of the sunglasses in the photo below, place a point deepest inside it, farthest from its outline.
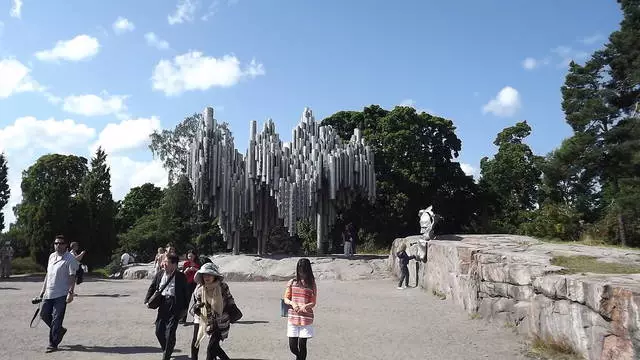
(58, 243)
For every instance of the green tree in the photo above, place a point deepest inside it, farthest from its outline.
(171, 222)
(510, 180)
(51, 203)
(139, 201)
(415, 167)
(5, 192)
(100, 214)
(600, 101)
(172, 146)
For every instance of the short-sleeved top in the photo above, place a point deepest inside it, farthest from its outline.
(301, 295)
(59, 268)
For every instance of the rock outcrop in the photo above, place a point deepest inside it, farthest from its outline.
(511, 279)
(261, 268)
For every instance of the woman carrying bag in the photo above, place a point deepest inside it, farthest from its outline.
(213, 311)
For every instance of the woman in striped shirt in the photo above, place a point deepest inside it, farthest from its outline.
(301, 295)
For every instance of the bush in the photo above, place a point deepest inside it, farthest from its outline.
(25, 265)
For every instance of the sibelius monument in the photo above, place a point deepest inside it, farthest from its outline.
(275, 182)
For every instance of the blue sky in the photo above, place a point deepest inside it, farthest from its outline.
(75, 74)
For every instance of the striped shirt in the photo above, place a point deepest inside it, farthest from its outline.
(300, 295)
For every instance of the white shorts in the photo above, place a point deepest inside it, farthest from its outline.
(300, 331)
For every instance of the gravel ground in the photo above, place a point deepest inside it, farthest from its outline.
(354, 320)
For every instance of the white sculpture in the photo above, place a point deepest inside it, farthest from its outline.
(428, 220)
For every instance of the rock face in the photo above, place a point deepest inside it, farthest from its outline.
(510, 279)
(256, 268)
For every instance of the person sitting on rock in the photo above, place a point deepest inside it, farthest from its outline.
(210, 299)
(404, 258)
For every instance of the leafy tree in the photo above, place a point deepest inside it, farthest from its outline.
(51, 203)
(510, 180)
(171, 222)
(98, 201)
(138, 202)
(172, 146)
(5, 192)
(414, 155)
(600, 101)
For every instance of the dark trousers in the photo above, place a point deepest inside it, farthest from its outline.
(404, 276)
(214, 351)
(166, 324)
(52, 314)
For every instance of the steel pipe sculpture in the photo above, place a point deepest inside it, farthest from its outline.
(275, 182)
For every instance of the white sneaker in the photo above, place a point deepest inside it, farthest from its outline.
(400, 288)
(404, 286)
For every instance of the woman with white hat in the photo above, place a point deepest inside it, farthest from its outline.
(210, 299)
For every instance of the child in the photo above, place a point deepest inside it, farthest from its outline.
(210, 298)
(301, 295)
(404, 266)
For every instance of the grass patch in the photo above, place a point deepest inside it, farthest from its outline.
(25, 265)
(101, 272)
(553, 350)
(438, 294)
(583, 264)
(588, 241)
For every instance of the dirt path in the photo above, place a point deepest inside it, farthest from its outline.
(355, 320)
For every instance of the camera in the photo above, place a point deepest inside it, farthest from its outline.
(36, 300)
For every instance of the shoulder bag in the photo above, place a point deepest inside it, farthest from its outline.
(156, 299)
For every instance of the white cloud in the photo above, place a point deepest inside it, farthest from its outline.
(127, 173)
(15, 78)
(590, 40)
(29, 133)
(193, 71)
(505, 104)
(185, 10)
(469, 170)
(155, 41)
(532, 63)
(568, 54)
(79, 48)
(16, 9)
(122, 25)
(94, 105)
(127, 135)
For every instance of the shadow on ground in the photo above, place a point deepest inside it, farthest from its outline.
(115, 349)
(104, 295)
(250, 322)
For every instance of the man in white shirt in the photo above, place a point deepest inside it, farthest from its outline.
(125, 258)
(57, 290)
(175, 300)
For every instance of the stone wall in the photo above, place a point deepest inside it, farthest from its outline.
(510, 279)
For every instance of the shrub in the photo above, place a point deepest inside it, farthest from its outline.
(25, 265)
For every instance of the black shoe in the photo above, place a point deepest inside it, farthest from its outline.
(51, 349)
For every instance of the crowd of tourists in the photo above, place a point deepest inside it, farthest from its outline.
(197, 288)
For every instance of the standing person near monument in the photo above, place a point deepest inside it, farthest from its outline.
(6, 256)
(189, 269)
(57, 290)
(347, 243)
(404, 266)
(174, 303)
(301, 295)
(211, 298)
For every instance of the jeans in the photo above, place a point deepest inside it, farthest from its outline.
(52, 314)
(405, 275)
(166, 324)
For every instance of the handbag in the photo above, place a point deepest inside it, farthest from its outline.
(234, 313)
(284, 308)
(156, 299)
